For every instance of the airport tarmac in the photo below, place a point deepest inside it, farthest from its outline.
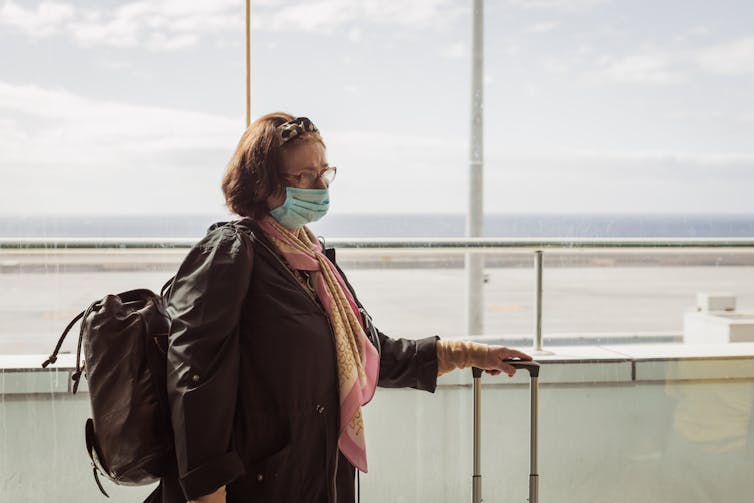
(620, 298)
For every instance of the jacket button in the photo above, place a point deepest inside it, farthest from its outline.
(320, 409)
(260, 477)
(195, 378)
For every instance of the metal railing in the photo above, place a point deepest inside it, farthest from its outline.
(416, 244)
(459, 245)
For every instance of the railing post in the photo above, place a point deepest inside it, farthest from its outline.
(538, 302)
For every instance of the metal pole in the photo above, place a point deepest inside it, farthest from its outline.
(475, 215)
(248, 63)
(533, 475)
(538, 302)
(476, 477)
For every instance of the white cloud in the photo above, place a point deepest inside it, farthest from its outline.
(167, 25)
(355, 35)
(557, 4)
(45, 20)
(161, 41)
(158, 25)
(322, 15)
(543, 27)
(82, 155)
(556, 65)
(64, 153)
(388, 142)
(700, 31)
(731, 58)
(646, 67)
(416, 13)
(116, 64)
(673, 65)
(457, 50)
(329, 15)
(53, 125)
(512, 50)
(619, 181)
(538, 179)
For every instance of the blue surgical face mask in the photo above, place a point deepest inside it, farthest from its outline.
(301, 207)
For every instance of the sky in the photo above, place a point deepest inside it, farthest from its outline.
(590, 106)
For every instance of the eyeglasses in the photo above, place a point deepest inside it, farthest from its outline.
(309, 178)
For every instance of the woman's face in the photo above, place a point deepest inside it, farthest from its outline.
(300, 166)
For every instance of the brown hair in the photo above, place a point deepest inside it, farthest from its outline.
(253, 173)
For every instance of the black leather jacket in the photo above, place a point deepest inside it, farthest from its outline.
(252, 377)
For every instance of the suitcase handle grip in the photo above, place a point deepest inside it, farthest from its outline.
(531, 366)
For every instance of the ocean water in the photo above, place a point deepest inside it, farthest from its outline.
(396, 225)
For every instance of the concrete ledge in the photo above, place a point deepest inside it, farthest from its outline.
(681, 362)
(34, 362)
(23, 374)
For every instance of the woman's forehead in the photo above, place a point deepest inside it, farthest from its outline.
(310, 154)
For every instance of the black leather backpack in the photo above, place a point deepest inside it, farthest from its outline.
(125, 338)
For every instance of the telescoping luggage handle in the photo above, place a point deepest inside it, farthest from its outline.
(533, 368)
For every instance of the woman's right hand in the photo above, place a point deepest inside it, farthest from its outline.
(216, 497)
(452, 354)
(495, 360)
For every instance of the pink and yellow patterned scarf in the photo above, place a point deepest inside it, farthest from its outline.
(358, 362)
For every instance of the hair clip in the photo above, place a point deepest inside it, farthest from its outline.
(293, 128)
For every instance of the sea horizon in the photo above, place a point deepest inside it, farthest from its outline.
(395, 225)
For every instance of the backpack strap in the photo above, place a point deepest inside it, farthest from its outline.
(54, 356)
(92, 447)
(167, 287)
(76, 377)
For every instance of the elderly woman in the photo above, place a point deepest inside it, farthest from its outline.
(271, 356)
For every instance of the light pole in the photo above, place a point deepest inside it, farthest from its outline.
(475, 214)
